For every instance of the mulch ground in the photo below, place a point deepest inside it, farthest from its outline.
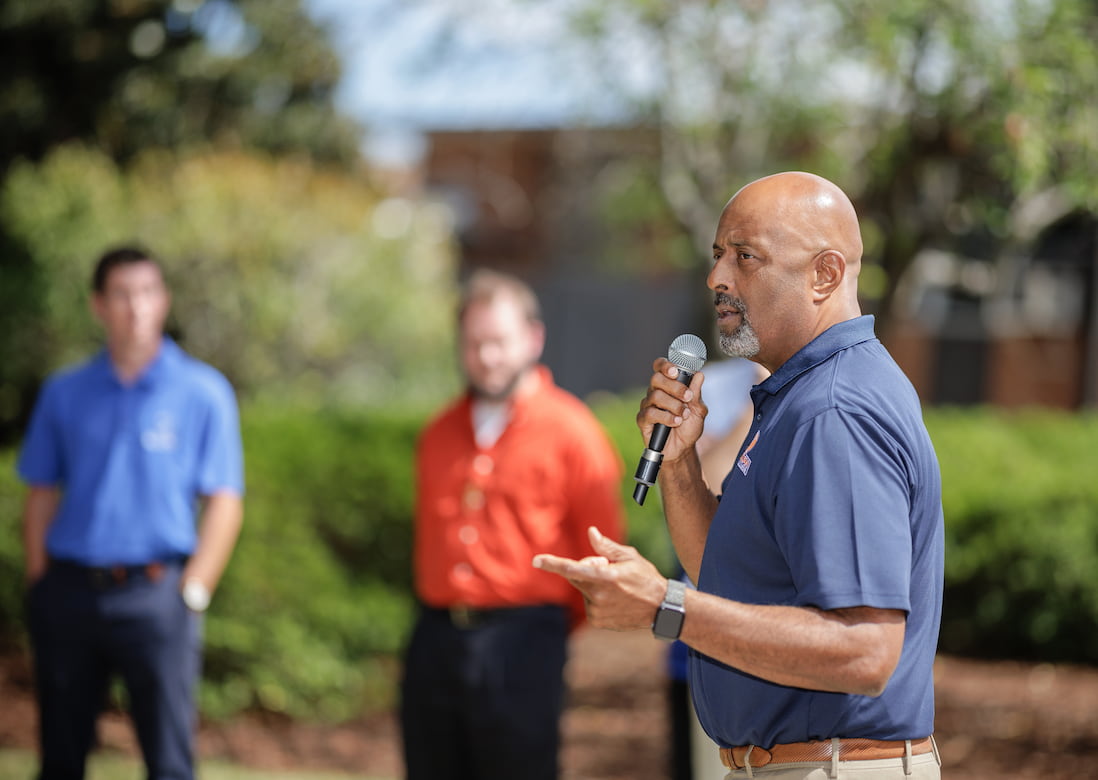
(994, 720)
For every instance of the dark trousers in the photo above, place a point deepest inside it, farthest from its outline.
(679, 708)
(484, 702)
(86, 629)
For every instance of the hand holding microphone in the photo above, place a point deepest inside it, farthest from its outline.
(688, 353)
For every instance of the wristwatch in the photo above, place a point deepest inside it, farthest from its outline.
(196, 595)
(669, 617)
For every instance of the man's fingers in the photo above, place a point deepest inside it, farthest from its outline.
(591, 568)
(607, 547)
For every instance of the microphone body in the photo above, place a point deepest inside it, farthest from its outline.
(688, 353)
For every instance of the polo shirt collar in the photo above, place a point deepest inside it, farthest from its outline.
(838, 337)
(166, 359)
(168, 356)
(521, 404)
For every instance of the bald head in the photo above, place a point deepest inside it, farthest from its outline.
(806, 209)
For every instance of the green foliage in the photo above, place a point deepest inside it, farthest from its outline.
(11, 553)
(943, 121)
(125, 78)
(158, 73)
(645, 526)
(317, 599)
(296, 281)
(633, 208)
(316, 602)
(1021, 502)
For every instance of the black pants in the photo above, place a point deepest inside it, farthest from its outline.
(484, 702)
(84, 633)
(679, 709)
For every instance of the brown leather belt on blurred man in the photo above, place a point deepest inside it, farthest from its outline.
(102, 577)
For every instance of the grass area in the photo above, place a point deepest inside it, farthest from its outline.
(22, 765)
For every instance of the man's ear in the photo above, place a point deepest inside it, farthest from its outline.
(537, 340)
(830, 266)
(95, 306)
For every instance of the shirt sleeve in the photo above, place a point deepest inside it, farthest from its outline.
(595, 489)
(842, 515)
(40, 458)
(221, 466)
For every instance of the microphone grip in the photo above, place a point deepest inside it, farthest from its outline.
(658, 440)
(652, 457)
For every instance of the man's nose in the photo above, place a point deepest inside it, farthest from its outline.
(716, 280)
(488, 354)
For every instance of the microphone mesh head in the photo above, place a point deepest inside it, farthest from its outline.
(687, 352)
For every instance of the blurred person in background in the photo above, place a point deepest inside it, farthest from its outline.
(728, 386)
(121, 454)
(820, 568)
(513, 466)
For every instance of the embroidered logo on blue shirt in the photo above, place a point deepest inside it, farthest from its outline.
(161, 437)
(744, 463)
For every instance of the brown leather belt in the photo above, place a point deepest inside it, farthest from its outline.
(102, 577)
(466, 618)
(849, 750)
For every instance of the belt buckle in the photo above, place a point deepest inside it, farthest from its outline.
(100, 578)
(752, 755)
(462, 616)
(109, 577)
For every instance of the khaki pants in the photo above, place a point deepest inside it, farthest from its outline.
(704, 753)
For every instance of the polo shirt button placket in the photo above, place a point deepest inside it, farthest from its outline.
(483, 464)
(473, 499)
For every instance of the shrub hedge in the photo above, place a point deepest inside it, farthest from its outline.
(316, 601)
(1020, 493)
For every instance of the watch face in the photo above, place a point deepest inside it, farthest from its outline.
(668, 624)
(195, 596)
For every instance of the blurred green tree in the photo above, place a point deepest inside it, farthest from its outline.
(942, 119)
(122, 76)
(300, 283)
(130, 74)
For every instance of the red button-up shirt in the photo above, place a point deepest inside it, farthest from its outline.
(482, 513)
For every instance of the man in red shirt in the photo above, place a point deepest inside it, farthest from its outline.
(514, 467)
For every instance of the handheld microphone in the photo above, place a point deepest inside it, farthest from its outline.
(688, 353)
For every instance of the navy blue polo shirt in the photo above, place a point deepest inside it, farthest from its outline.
(132, 460)
(834, 501)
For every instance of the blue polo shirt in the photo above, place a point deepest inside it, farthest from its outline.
(132, 460)
(835, 501)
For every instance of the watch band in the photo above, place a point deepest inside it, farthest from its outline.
(676, 594)
(672, 612)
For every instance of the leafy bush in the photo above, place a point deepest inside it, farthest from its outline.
(11, 553)
(645, 524)
(297, 281)
(1021, 505)
(316, 601)
(317, 598)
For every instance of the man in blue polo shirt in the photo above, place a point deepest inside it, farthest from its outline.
(121, 454)
(819, 570)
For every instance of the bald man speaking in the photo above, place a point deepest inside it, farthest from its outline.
(819, 567)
